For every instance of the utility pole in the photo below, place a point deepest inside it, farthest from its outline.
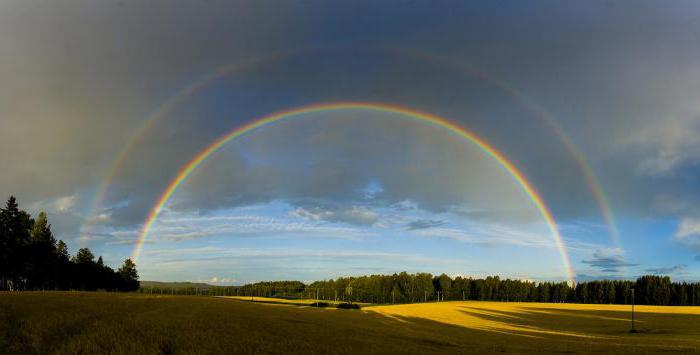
(633, 330)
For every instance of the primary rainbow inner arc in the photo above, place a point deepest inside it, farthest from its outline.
(188, 168)
(162, 111)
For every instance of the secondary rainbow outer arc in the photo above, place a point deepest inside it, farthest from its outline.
(528, 188)
(594, 185)
(157, 115)
(589, 176)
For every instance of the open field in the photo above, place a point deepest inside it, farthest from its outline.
(68, 322)
(289, 301)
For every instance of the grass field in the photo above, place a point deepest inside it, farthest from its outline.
(285, 301)
(136, 323)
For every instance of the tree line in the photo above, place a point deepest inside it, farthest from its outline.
(423, 287)
(32, 259)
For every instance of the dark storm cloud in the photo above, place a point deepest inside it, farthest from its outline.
(79, 77)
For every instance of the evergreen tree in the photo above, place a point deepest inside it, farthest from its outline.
(84, 256)
(129, 276)
(15, 240)
(42, 272)
(30, 258)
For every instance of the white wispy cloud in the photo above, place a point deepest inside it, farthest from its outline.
(183, 226)
(672, 142)
(688, 233)
(352, 215)
(489, 235)
(678, 269)
(62, 205)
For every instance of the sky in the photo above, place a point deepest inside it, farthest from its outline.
(594, 103)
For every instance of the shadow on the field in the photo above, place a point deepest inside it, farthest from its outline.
(567, 325)
(39, 323)
(552, 330)
(548, 322)
(426, 335)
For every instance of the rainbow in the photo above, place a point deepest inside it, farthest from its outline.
(188, 168)
(589, 176)
(159, 114)
(163, 110)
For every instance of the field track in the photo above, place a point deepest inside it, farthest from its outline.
(75, 322)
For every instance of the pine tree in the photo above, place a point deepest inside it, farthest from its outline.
(14, 241)
(84, 256)
(129, 275)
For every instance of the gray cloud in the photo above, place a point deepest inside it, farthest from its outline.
(587, 277)
(621, 80)
(607, 262)
(676, 269)
(425, 224)
(80, 88)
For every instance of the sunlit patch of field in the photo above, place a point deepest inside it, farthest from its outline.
(290, 301)
(273, 300)
(75, 322)
(590, 326)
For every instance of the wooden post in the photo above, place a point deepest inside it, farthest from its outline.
(633, 330)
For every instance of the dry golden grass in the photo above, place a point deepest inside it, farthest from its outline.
(275, 300)
(64, 322)
(564, 327)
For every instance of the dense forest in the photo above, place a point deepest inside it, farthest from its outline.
(32, 259)
(424, 287)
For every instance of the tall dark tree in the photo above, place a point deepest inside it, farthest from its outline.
(63, 266)
(84, 256)
(42, 271)
(30, 258)
(15, 237)
(129, 275)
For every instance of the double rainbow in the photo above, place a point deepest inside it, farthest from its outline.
(162, 111)
(430, 119)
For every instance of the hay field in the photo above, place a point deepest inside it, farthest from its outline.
(70, 322)
(287, 301)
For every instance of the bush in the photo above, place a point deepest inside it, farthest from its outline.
(349, 306)
(319, 304)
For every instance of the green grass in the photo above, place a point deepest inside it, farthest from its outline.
(88, 323)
